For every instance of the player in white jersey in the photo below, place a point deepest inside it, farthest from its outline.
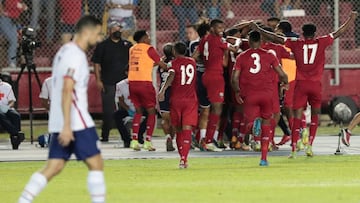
(70, 123)
(45, 93)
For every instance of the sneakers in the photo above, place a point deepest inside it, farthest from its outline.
(16, 140)
(211, 147)
(308, 151)
(148, 146)
(169, 144)
(299, 145)
(284, 140)
(345, 137)
(134, 144)
(220, 144)
(304, 136)
(256, 129)
(292, 155)
(264, 163)
(234, 141)
(183, 164)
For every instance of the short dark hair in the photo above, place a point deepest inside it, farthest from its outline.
(309, 29)
(232, 32)
(285, 26)
(254, 36)
(138, 35)
(180, 48)
(194, 26)
(202, 29)
(215, 22)
(167, 49)
(273, 19)
(87, 21)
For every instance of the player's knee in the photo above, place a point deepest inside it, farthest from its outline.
(53, 168)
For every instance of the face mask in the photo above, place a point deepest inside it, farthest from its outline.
(116, 35)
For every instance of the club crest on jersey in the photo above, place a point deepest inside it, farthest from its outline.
(221, 94)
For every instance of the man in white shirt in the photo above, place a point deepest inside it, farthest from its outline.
(72, 128)
(10, 119)
(45, 93)
(126, 109)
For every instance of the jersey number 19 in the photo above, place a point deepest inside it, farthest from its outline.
(187, 74)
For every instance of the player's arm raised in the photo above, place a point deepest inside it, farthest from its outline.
(66, 134)
(272, 36)
(168, 82)
(342, 29)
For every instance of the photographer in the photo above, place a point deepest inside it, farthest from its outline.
(9, 117)
(10, 11)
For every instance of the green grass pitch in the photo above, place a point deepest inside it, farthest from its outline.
(319, 179)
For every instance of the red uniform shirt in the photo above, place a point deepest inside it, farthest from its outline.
(256, 68)
(309, 56)
(184, 85)
(212, 49)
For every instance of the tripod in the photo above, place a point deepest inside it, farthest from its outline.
(31, 67)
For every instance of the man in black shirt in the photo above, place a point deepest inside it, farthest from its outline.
(111, 58)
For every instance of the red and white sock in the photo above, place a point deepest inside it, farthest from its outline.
(265, 132)
(136, 126)
(35, 185)
(179, 142)
(186, 144)
(313, 128)
(96, 186)
(150, 125)
(211, 127)
(295, 133)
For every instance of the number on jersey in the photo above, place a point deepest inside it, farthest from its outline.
(313, 48)
(257, 64)
(206, 50)
(187, 74)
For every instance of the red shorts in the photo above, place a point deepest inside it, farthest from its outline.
(289, 95)
(276, 99)
(142, 94)
(307, 91)
(215, 85)
(256, 105)
(184, 113)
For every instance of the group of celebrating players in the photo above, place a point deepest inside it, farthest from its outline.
(237, 73)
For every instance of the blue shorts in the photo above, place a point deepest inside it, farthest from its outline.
(165, 105)
(201, 92)
(84, 146)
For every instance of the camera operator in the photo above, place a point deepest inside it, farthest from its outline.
(111, 58)
(9, 117)
(10, 11)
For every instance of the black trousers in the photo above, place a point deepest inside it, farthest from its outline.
(108, 106)
(11, 121)
(123, 130)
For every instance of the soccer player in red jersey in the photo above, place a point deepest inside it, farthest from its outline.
(253, 68)
(280, 52)
(310, 60)
(183, 99)
(212, 49)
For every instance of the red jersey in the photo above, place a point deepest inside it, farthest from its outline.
(184, 85)
(309, 56)
(212, 49)
(256, 69)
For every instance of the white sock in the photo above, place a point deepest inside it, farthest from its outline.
(35, 185)
(216, 135)
(96, 186)
(202, 133)
(167, 136)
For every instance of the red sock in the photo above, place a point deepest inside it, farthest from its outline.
(291, 122)
(211, 127)
(136, 126)
(235, 125)
(179, 142)
(313, 128)
(265, 132)
(150, 125)
(295, 133)
(303, 121)
(272, 130)
(224, 122)
(242, 128)
(186, 144)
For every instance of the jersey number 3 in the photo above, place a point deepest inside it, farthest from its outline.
(313, 48)
(187, 74)
(257, 64)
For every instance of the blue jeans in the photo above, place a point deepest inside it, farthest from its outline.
(9, 30)
(50, 16)
(182, 13)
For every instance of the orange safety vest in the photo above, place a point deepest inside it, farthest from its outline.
(140, 63)
(289, 67)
